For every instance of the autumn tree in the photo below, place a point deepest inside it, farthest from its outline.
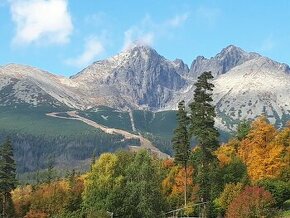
(21, 197)
(230, 192)
(252, 202)
(202, 128)
(181, 144)
(233, 170)
(283, 139)
(101, 182)
(7, 177)
(227, 152)
(260, 152)
(173, 185)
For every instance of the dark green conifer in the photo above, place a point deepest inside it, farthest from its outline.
(202, 128)
(7, 177)
(181, 143)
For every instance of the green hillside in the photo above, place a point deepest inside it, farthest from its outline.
(39, 138)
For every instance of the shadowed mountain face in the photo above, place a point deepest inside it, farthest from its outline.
(139, 77)
(247, 84)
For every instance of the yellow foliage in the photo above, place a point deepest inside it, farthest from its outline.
(230, 192)
(21, 198)
(261, 153)
(226, 152)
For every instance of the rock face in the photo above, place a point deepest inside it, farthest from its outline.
(21, 84)
(246, 84)
(228, 58)
(259, 86)
(139, 77)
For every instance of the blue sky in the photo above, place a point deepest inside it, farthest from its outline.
(64, 36)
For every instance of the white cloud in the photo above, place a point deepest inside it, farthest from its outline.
(46, 21)
(93, 48)
(136, 36)
(178, 20)
(147, 31)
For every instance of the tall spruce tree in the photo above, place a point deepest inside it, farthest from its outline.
(243, 129)
(181, 143)
(7, 177)
(202, 128)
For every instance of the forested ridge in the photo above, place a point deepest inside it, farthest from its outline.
(247, 182)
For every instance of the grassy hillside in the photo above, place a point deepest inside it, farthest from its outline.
(159, 123)
(109, 117)
(38, 139)
(34, 121)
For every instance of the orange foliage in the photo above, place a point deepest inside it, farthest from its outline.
(227, 152)
(173, 184)
(168, 163)
(179, 183)
(259, 151)
(46, 199)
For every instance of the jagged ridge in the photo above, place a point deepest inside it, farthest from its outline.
(247, 84)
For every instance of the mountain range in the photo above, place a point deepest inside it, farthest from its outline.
(246, 84)
(128, 101)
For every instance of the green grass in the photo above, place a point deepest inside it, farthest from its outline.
(161, 123)
(109, 117)
(37, 138)
(34, 121)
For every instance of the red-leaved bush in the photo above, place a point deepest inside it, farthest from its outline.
(252, 202)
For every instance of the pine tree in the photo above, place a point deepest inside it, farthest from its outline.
(181, 144)
(243, 129)
(7, 176)
(202, 128)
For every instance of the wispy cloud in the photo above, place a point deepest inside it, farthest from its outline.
(93, 48)
(208, 15)
(268, 44)
(178, 20)
(96, 19)
(147, 31)
(46, 21)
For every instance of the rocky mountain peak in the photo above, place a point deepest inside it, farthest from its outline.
(143, 50)
(246, 84)
(228, 58)
(139, 74)
(232, 51)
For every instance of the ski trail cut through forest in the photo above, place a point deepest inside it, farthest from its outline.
(144, 143)
(132, 121)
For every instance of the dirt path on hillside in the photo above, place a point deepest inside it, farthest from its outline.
(144, 143)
